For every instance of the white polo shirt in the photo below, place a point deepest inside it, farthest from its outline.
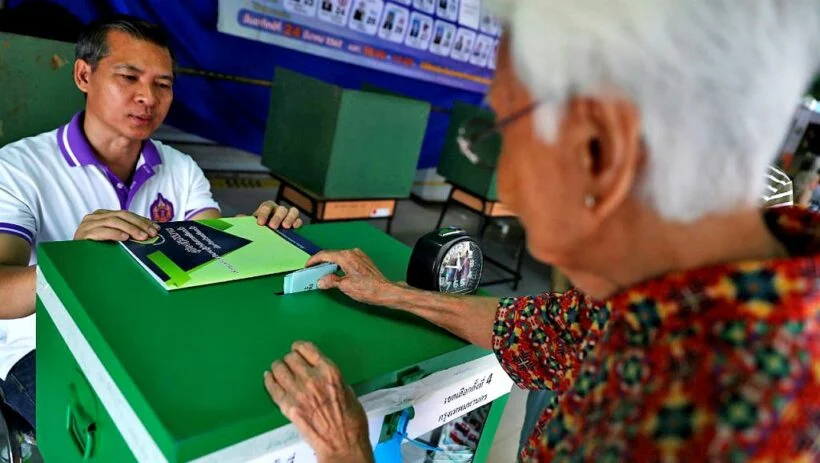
(49, 182)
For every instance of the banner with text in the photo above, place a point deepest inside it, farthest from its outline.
(436, 400)
(450, 42)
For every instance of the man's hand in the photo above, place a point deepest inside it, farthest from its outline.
(272, 215)
(309, 390)
(362, 280)
(104, 225)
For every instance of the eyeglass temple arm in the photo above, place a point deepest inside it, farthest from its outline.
(503, 123)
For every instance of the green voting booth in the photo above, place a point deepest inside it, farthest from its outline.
(456, 168)
(129, 372)
(44, 96)
(341, 154)
(341, 143)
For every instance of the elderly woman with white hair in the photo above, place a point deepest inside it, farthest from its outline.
(636, 137)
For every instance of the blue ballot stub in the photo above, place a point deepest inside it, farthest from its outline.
(308, 279)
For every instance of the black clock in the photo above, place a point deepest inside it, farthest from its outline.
(447, 260)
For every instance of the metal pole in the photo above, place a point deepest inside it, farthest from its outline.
(221, 76)
(247, 80)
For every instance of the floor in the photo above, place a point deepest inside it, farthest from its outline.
(412, 220)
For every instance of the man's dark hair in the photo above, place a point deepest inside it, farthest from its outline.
(92, 46)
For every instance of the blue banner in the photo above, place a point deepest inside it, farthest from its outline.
(449, 42)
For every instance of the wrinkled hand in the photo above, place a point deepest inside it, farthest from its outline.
(362, 280)
(270, 214)
(309, 390)
(105, 225)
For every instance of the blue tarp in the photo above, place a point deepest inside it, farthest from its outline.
(234, 114)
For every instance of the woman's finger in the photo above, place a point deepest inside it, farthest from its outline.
(277, 393)
(284, 377)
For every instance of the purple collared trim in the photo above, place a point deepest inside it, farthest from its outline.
(143, 173)
(77, 151)
(75, 142)
(150, 153)
(13, 229)
(190, 214)
(145, 170)
(61, 142)
(151, 159)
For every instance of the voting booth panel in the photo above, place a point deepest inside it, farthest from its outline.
(41, 73)
(127, 371)
(456, 168)
(341, 143)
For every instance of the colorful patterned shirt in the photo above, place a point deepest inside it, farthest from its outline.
(719, 363)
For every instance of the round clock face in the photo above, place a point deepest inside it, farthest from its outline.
(460, 270)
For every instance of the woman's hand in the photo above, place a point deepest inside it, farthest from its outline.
(309, 390)
(362, 280)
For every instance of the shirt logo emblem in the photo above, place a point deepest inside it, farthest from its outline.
(162, 210)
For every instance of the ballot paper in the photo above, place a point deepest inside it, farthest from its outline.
(191, 253)
(308, 279)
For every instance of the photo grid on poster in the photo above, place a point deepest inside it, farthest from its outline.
(481, 51)
(365, 16)
(464, 43)
(443, 33)
(302, 7)
(462, 30)
(394, 23)
(470, 13)
(453, 42)
(421, 31)
(425, 6)
(335, 11)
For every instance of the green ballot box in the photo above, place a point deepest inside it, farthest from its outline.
(456, 168)
(127, 371)
(340, 143)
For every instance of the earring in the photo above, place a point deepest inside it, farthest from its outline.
(590, 201)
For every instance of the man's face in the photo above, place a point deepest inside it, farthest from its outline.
(130, 91)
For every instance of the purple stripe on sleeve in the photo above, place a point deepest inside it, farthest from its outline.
(17, 228)
(9, 231)
(190, 214)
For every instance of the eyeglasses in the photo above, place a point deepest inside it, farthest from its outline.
(479, 139)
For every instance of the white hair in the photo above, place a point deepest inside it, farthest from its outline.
(716, 83)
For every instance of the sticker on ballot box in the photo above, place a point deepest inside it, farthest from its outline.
(380, 212)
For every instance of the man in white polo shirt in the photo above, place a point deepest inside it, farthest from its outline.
(98, 177)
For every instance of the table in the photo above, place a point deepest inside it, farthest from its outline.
(129, 372)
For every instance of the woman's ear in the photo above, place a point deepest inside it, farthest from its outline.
(612, 154)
